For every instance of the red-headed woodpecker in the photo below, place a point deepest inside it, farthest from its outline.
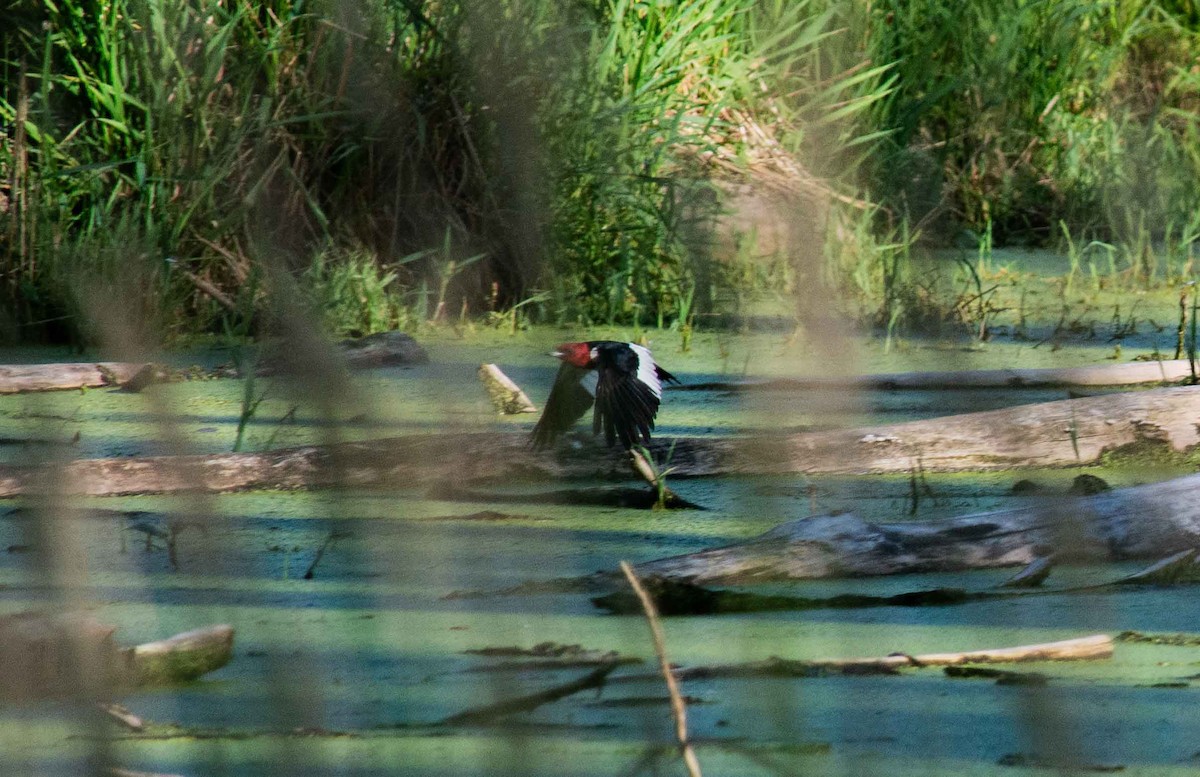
(620, 378)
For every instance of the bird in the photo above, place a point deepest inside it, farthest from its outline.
(621, 379)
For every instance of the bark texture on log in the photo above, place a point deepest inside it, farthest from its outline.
(1142, 522)
(1127, 374)
(1065, 433)
(20, 378)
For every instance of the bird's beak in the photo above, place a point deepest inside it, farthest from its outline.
(557, 354)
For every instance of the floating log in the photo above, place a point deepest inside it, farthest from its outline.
(181, 658)
(20, 378)
(45, 655)
(1096, 375)
(378, 350)
(1063, 433)
(1091, 648)
(1150, 521)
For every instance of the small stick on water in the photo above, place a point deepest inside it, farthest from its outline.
(333, 535)
(678, 709)
(122, 715)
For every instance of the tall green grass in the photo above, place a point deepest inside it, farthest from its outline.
(566, 159)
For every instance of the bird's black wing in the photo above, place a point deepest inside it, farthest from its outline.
(569, 399)
(625, 406)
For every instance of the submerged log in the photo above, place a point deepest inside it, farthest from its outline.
(1150, 521)
(479, 716)
(1064, 433)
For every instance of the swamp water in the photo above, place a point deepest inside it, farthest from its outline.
(350, 672)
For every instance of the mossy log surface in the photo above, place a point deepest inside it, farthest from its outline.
(180, 658)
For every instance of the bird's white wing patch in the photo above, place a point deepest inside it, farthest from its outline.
(646, 372)
(589, 380)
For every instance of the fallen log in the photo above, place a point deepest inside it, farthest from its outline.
(181, 658)
(21, 378)
(1091, 648)
(1150, 521)
(59, 655)
(1063, 433)
(379, 350)
(1096, 375)
(680, 597)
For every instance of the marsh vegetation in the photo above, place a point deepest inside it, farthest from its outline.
(778, 197)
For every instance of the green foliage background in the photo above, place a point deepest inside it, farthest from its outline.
(406, 161)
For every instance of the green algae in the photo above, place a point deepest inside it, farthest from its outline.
(370, 653)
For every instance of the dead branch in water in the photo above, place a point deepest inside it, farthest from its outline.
(484, 715)
(1091, 648)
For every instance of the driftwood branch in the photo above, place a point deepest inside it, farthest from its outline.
(1064, 433)
(1095, 647)
(1150, 521)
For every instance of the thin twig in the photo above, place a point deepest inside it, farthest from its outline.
(678, 709)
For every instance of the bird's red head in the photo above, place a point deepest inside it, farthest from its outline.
(577, 354)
